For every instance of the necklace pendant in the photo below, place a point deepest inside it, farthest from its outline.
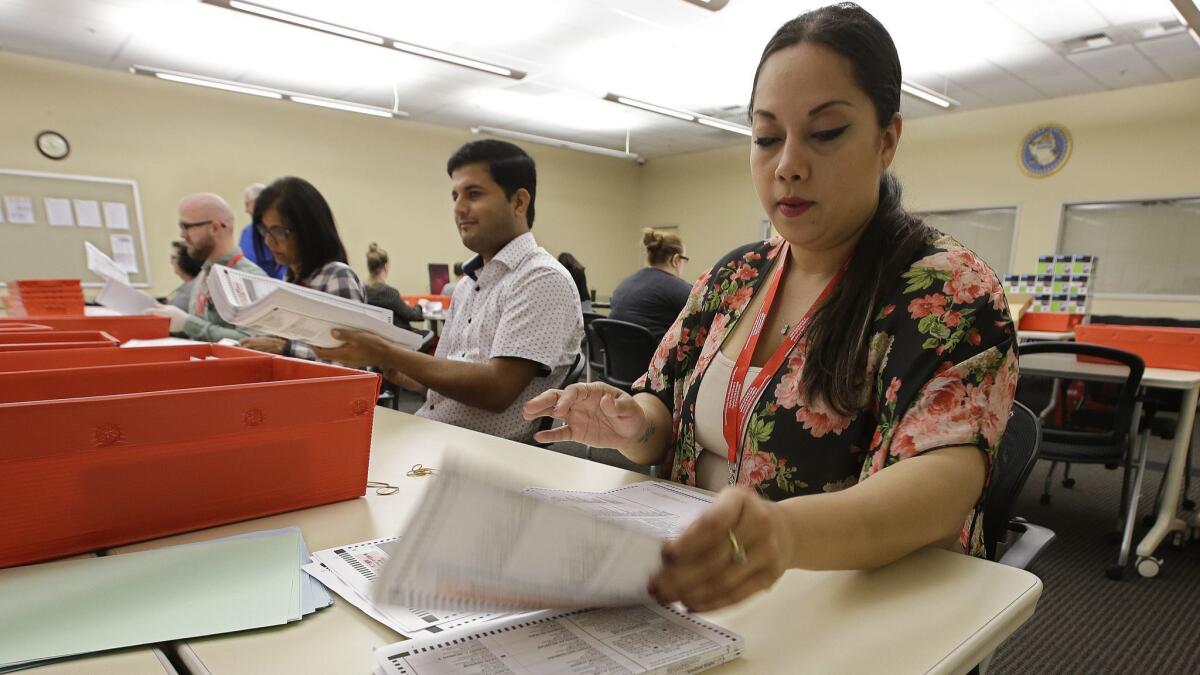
(786, 326)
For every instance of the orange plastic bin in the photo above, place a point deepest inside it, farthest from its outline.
(55, 359)
(30, 340)
(1159, 347)
(122, 328)
(104, 456)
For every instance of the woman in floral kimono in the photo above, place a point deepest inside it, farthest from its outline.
(847, 381)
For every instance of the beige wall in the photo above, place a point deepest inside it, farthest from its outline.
(1132, 143)
(385, 179)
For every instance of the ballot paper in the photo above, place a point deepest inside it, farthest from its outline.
(350, 571)
(642, 639)
(288, 310)
(79, 606)
(475, 544)
(658, 509)
(117, 293)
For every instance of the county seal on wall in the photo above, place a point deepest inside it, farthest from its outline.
(1044, 150)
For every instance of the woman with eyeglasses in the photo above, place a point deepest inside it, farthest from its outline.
(298, 227)
(654, 295)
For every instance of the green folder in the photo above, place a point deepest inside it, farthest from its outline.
(80, 606)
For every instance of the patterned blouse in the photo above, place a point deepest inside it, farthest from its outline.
(942, 366)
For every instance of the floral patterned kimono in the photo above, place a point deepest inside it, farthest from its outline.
(942, 367)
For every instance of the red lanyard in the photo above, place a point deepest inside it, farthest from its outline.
(202, 292)
(737, 404)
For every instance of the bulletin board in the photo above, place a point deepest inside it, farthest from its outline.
(46, 217)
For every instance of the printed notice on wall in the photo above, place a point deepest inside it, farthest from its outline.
(116, 216)
(58, 212)
(87, 213)
(19, 210)
(123, 252)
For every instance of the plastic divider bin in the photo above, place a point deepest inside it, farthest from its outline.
(1049, 321)
(1159, 346)
(55, 359)
(45, 297)
(100, 457)
(122, 328)
(14, 341)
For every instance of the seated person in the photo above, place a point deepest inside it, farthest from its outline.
(187, 270)
(846, 382)
(252, 241)
(448, 289)
(515, 325)
(653, 296)
(206, 224)
(297, 224)
(579, 275)
(382, 295)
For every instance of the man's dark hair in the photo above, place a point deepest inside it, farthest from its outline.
(511, 167)
(302, 209)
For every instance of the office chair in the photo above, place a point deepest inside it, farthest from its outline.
(627, 347)
(1072, 432)
(592, 348)
(1013, 541)
(573, 375)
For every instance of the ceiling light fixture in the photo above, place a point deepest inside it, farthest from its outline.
(685, 115)
(711, 5)
(361, 36)
(265, 92)
(928, 95)
(1189, 15)
(557, 142)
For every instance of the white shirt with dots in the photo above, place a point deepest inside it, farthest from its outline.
(521, 304)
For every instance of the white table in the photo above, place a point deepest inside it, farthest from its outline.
(139, 661)
(1188, 381)
(1045, 336)
(934, 611)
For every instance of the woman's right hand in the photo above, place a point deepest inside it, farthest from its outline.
(595, 413)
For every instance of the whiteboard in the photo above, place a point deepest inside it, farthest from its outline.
(66, 211)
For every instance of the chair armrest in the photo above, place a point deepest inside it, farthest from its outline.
(1025, 544)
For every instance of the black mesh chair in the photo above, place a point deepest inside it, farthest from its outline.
(592, 347)
(573, 376)
(1013, 541)
(627, 347)
(1090, 419)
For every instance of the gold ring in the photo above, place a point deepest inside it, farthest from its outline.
(739, 553)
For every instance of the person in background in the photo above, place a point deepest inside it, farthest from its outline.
(846, 382)
(206, 224)
(515, 325)
(380, 294)
(298, 226)
(654, 295)
(448, 289)
(187, 270)
(576, 270)
(252, 242)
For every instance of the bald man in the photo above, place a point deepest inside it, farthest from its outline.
(206, 224)
(252, 242)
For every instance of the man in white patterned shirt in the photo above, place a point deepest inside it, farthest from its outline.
(515, 322)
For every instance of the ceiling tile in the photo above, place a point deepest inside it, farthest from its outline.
(1119, 66)
(1053, 19)
(1177, 55)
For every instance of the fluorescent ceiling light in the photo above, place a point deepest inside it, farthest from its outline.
(556, 142)
(651, 107)
(237, 87)
(722, 124)
(711, 5)
(350, 33)
(213, 84)
(297, 20)
(928, 95)
(338, 105)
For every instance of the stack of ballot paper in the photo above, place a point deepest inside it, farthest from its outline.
(117, 294)
(291, 311)
(72, 607)
(582, 559)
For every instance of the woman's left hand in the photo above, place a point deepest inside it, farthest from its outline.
(265, 343)
(736, 548)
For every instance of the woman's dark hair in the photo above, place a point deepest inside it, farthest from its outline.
(187, 263)
(307, 214)
(839, 335)
(377, 259)
(661, 246)
(511, 167)
(570, 262)
(458, 270)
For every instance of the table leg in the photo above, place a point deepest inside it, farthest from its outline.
(1168, 510)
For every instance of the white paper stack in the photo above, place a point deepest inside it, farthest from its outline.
(117, 294)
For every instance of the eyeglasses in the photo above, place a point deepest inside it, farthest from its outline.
(184, 227)
(275, 232)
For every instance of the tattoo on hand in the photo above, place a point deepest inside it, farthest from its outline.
(650, 429)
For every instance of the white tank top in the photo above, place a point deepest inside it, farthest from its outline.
(712, 467)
